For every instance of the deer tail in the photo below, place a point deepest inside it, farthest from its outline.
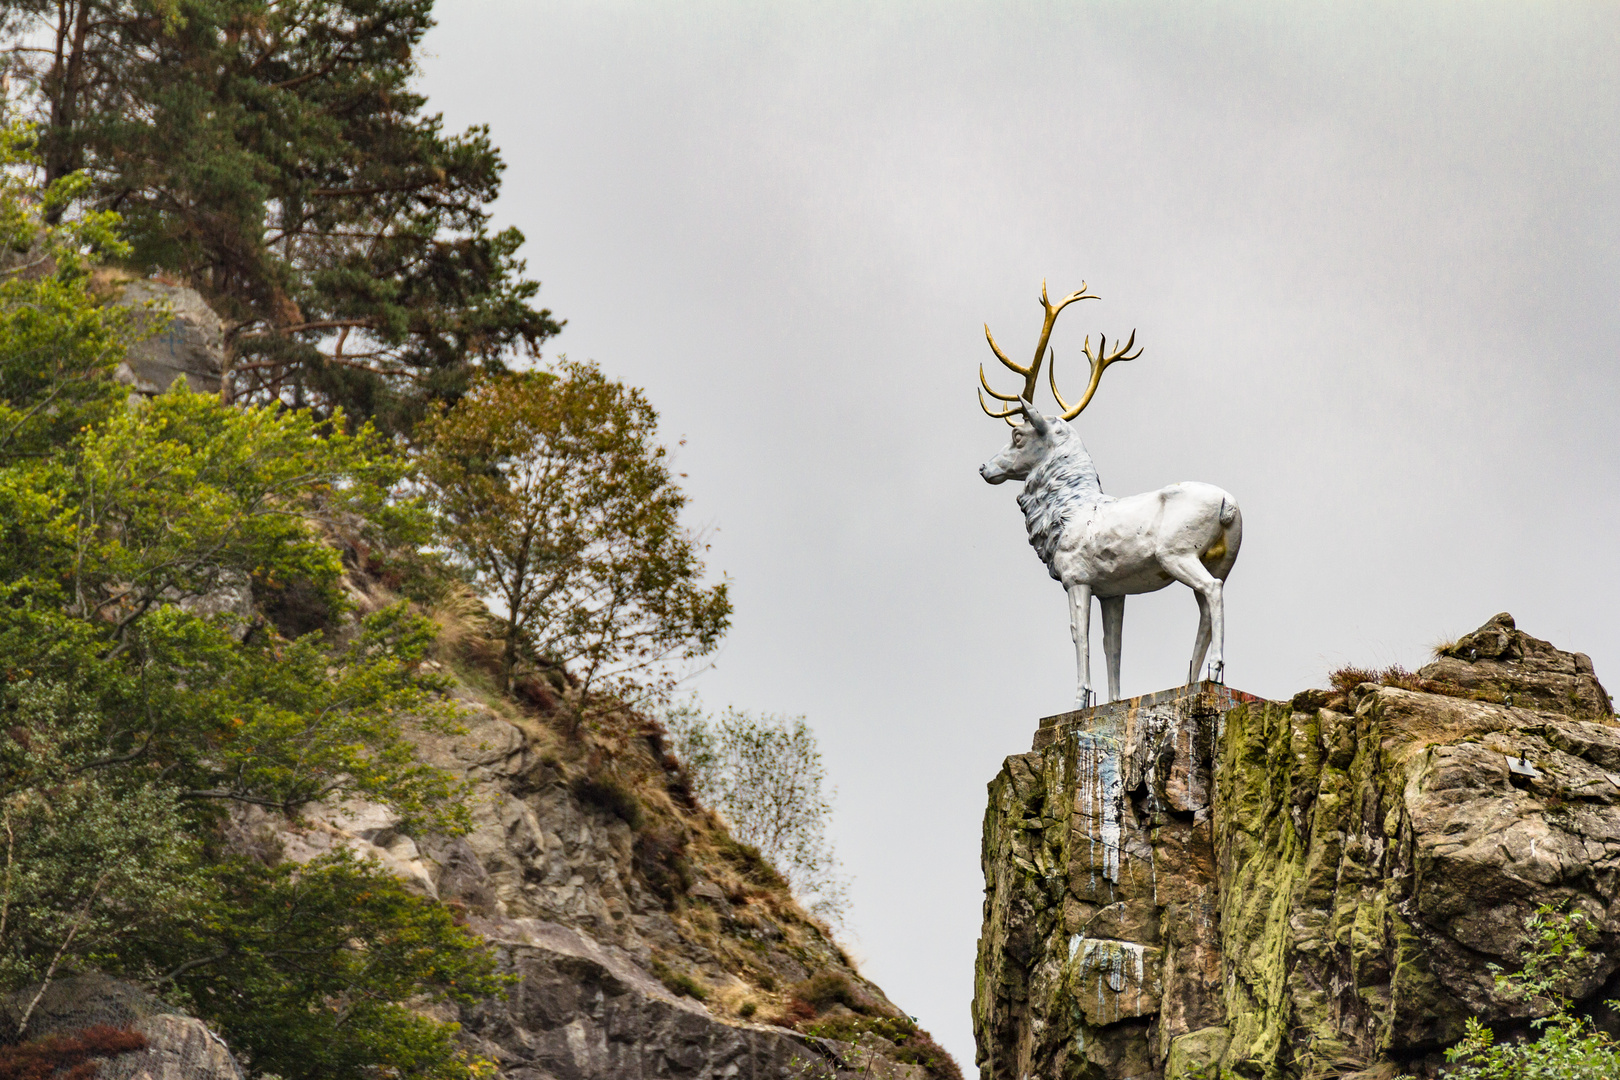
(1229, 512)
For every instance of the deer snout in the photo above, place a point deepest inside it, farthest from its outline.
(992, 472)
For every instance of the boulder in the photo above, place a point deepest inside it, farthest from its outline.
(1499, 662)
(178, 1047)
(191, 345)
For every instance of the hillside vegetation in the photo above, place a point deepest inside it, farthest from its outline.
(235, 627)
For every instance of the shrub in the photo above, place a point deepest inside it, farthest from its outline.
(679, 983)
(794, 1014)
(830, 987)
(754, 866)
(661, 857)
(1570, 1047)
(67, 1057)
(912, 1045)
(609, 795)
(1347, 679)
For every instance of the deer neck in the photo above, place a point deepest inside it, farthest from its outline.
(1062, 483)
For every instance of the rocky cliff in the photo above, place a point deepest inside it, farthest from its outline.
(644, 940)
(1200, 883)
(641, 938)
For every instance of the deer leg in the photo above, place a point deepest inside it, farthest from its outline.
(1190, 572)
(1201, 645)
(1080, 630)
(1113, 613)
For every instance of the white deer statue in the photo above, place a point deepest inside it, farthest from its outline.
(1095, 544)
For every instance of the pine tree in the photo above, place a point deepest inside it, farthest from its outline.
(274, 155)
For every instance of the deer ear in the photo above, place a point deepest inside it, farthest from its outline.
(1036, 420)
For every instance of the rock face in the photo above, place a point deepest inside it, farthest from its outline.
(1101, 936)
(178, 1047)
(560, 887)
(192, 345)
(1501, 663)
(1199, 883)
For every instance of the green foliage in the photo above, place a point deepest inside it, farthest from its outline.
(765, 777)
(1569, 1047)
(679, 983)
(320, 971)
(57, 344)
(557, 500)
(140, 695)
(276, 157)
(93, 858)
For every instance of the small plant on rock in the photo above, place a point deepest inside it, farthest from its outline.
(679, 983)
(1347, 679)
(1570, 1047)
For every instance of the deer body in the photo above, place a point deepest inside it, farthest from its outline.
(1098, 545)
(1095, 544)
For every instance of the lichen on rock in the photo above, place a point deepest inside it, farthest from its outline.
(1314, 888)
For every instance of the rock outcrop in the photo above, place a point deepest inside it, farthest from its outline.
(645, 941)
(1199, 883)
(190, 344)
(177, 1047)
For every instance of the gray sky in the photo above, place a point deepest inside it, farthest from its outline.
(1372, 252)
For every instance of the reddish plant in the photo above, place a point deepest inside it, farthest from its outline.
(67, 1057)
(797, 1011)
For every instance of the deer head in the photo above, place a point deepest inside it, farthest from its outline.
(1035, 435)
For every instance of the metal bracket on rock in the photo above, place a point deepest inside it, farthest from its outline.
(1518, 766)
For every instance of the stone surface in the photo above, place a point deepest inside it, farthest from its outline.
(190, 346)
(178, 1047)
(1101, 942)
(585, 1010)
(1314, 888)
(1502, 663)
(554, 883)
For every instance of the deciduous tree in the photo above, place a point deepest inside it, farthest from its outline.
(57, 344)
(764, 775)
(557, 499)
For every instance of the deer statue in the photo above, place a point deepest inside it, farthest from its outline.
(1099, 545)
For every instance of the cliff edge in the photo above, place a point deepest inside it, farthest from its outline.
(1200, 883)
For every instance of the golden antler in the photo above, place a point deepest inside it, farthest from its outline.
(1099, 363)
(1032, 373)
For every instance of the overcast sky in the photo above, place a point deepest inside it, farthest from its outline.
(1372, 253)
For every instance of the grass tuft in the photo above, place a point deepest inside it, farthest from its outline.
(607, 794)
(679, 983)
(1347, 679)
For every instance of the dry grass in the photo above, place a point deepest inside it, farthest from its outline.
(466, 630)
(1444, 647)
(1346, 679)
